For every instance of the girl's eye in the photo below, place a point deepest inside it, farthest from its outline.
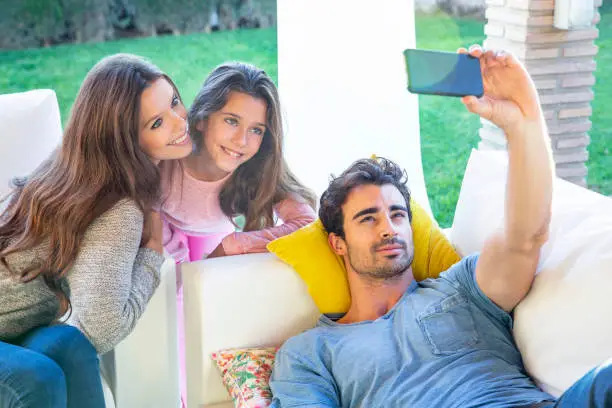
(258, 131)
(156, 124)
(231, 121)
(175, 101)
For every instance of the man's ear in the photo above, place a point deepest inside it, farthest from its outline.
(337, 244)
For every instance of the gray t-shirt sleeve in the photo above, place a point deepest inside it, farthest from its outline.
(463, 274)
(112, 278)
(300, 379)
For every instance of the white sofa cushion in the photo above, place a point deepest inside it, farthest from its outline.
(233, 302)
(30, 128)
(561, 326)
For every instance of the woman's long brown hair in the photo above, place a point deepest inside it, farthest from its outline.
(264, 180)
(98, 163)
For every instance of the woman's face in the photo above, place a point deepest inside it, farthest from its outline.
(233, 134)
(163, 133)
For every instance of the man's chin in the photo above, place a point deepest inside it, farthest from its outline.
(383, 267)
(388, 271)
(397, 261)
(398, 266)
(386, 276)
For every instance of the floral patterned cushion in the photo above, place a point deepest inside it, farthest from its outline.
(246, 373)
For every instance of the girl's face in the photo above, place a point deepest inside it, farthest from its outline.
(233, 134)
(163, 133)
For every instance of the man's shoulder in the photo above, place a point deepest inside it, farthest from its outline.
(458, 279)
(307, 337)
(465, 268)
(307, 342)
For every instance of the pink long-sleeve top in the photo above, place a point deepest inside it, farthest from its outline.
(192, 209)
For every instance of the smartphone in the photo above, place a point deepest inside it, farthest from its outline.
(443, 73)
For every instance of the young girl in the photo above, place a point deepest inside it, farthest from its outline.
(79, 237)
(237, 169)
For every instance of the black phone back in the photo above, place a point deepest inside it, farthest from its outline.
(443, 73)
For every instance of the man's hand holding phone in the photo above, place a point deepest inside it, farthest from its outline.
(510, 98)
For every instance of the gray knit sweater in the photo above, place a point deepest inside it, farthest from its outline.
(109, 285)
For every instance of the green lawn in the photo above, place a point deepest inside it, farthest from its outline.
(448, 132)
(187, 59)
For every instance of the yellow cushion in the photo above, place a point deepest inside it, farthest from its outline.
(308, 252)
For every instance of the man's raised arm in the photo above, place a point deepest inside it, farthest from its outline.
(507, 265)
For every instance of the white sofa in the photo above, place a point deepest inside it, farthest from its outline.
(143, 370)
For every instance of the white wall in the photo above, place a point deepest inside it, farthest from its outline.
(342, 84)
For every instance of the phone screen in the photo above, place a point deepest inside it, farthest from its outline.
(443, 73)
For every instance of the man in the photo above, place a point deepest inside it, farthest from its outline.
(444, 342)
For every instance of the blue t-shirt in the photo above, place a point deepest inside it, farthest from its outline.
(444, 344)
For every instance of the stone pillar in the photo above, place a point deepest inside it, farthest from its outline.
(562, 64)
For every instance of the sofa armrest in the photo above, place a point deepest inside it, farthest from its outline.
(143, 369)
(109, 399)
(248, 300)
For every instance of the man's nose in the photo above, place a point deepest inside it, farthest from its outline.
(387, 229)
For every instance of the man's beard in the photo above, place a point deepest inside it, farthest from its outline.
(388, 269)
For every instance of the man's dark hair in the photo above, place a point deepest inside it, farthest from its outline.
(377, 171)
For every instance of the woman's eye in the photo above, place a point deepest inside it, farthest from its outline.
(156, 124)
(231, 121)
(175, 101)
(258, 131)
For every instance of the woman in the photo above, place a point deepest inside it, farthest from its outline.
(79, 240)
